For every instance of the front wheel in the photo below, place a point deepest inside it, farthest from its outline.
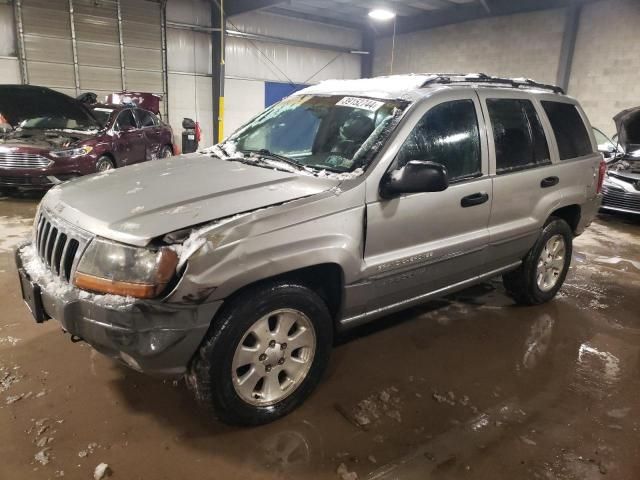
(545, 267)
(264, 355)
(104, 163)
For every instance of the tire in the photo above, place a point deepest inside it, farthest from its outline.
(104, 163)
(523, 284)
(166, 152)
(242, 393)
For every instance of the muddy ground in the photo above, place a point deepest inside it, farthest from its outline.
(468, 387)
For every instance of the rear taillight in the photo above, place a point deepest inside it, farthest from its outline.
(601, 173)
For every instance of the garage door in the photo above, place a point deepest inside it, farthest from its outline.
(100, 46)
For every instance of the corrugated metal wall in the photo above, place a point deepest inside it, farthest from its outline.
(9, 66)
(77, 46)
(189, 66)
(250, 63)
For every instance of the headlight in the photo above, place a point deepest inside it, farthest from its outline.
(72, 152)
(108, 267)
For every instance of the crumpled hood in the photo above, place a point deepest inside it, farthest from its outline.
(139, 203)
(628, 127)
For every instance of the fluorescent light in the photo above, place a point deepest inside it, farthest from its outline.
(381, 14)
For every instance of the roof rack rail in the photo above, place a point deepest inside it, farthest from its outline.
(448, 78)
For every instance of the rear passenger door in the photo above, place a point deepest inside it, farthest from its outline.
(523, 171)
(150, 127)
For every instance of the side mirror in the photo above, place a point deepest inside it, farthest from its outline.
(417, 176)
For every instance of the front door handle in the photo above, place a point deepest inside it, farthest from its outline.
(549, 182)
(475, 199)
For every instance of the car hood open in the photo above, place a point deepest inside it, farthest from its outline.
(136, 204)
(20, 102)
(628, 126)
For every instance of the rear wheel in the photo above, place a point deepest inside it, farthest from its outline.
(166, 152)
(545, 267)
(104, 163)
(264, 355)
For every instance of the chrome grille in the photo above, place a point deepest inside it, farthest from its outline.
(59, 246)
(23, 160)
(621, 200)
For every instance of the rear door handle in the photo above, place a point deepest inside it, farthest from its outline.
(549, 182)
(475, 199)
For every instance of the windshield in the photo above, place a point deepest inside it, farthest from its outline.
(335, 133)
(56, 122)
(102, 115)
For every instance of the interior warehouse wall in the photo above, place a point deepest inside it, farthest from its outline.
(606, 61)
(9, 66)
(189, 68)
(248, 70)
(523, 45)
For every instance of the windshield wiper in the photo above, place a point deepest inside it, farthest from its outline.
(266, 153)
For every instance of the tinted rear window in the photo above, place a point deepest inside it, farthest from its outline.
(571, 134)
(518, 135)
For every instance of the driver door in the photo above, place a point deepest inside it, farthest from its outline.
(129, 144)
(421, 242)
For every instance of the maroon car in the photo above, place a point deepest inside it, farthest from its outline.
(47, 137)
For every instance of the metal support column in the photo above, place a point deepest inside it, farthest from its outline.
(22, 56)
(218, 45)
(123, 75)
(368, 45)
(165, 70)
(571, 26)
(74, 48)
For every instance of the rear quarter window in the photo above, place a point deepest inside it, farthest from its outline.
(569, 129)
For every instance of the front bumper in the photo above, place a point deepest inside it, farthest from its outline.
(43, 178)
(152, 337)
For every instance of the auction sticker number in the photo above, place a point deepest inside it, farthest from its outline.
(362, 103)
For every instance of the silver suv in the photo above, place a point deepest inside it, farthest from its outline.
(235, 267)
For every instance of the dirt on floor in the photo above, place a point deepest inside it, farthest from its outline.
(467, 387)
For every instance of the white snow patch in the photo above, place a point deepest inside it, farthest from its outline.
(134, 190)
(136, 210)
(13, 341)
(101, 471)
(393, 86)
(42, 457)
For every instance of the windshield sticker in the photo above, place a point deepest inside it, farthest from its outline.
(362, 103)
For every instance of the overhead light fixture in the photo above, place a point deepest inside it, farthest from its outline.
(382, 14)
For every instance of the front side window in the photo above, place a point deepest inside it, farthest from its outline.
(447, 134)
(336, 133)
(126, 121)
(571, 134)
(518, 135)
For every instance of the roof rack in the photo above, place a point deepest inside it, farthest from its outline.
(449, 78)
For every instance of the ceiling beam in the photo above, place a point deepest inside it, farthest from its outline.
(235, 7)
(474, 11)
(316, 18)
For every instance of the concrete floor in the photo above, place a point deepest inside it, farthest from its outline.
(471, 386)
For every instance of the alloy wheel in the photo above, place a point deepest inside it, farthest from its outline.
(274, 357)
